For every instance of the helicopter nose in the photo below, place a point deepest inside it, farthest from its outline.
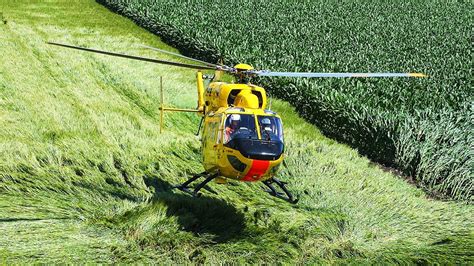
(257, 170)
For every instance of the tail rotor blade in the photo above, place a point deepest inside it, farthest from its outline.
(151, 60)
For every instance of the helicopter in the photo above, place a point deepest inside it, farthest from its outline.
(242, 139)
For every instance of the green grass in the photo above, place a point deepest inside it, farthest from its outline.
(85, 175)
(423, 127)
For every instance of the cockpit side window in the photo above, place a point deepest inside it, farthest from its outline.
(239, 125)
(270, 127)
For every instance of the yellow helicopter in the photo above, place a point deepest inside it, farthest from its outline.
(241, 139)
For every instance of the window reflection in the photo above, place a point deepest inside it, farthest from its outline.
(270, 128)
(239, 124)
(243, 126)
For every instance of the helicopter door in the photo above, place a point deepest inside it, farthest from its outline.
(211, 141)
(218, 137)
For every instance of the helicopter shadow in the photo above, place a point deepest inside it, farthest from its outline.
(203, 215)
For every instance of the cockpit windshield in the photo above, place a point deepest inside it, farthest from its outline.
(257, 137)
(270, 128)
(243, 126)
(240, 125)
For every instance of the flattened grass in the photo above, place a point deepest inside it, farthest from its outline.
(422, 127)
(85, 176)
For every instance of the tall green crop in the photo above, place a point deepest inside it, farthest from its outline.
(421, 126)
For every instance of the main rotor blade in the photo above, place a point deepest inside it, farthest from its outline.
(133, 57)
(335, 75)
(178, 55)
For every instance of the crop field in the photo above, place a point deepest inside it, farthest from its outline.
(86, 177)
(422, 127)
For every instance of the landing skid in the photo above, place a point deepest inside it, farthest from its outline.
(195, 192)
(285, 195)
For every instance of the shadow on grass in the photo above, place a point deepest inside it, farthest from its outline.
(203, 215)
(115, 190)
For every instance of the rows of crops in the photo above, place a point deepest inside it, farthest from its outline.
(421, 126)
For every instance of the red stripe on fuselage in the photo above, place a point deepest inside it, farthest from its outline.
(256, 171)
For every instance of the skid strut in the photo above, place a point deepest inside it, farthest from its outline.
(195, 192)
(285, 195)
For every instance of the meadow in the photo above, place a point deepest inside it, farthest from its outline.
(85, 175)
(422, 127)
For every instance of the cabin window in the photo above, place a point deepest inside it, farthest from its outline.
(219, 133)
(239, 124)
(211, 135)
(215, 133)
(270, 127)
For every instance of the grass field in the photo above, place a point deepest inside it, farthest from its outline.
(85, 175)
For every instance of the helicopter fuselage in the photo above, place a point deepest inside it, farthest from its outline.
(248, 149)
